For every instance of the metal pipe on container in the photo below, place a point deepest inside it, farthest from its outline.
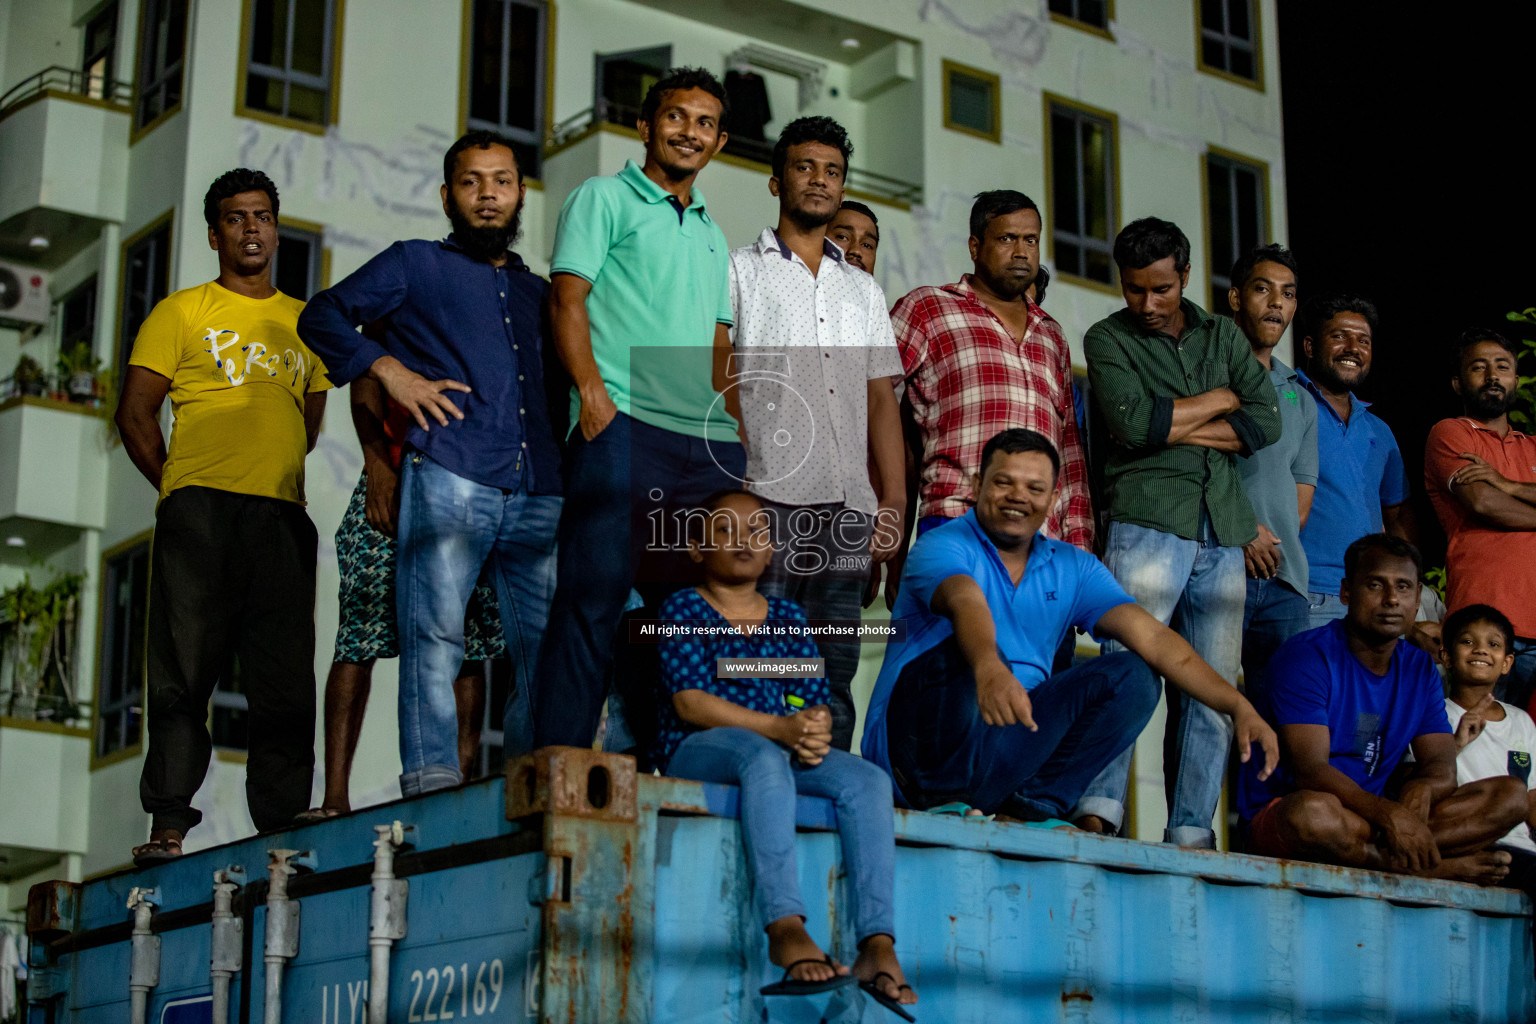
(144, 967)
(386, 915)
(224, 960)
(282, 938)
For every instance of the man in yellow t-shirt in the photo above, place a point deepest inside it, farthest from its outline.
(232, 579)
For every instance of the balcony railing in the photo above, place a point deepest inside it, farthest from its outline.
(861, 181)
(67, 80)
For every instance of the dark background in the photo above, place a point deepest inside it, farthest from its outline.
(1408, 165)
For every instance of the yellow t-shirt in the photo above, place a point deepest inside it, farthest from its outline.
(239, 376)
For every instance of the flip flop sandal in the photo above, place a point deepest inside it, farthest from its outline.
(156, 851)
(873, 988)
(788, 986)
(959, 809)
(315, 815)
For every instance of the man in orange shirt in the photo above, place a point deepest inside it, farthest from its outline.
(1481, 476)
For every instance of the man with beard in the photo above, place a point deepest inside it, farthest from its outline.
(1182, 397)
(1279, 480)
(857, 231)
(800, 304)
(462, 341)
(641, 305)
(1481, 476)
(1361, 486)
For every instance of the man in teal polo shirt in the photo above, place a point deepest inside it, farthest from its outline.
(1183, 397)
(640, 305)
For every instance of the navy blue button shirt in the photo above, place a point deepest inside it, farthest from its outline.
(449, 316)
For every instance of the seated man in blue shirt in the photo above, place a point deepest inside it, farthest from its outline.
(967, 710)
(463, 336)
(1350, 700)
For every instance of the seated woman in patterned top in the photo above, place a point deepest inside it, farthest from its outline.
(772, 736)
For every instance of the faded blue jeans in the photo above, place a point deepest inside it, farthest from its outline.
(450, 528)
(769, 780)
(1199, 588)
(1323, 608)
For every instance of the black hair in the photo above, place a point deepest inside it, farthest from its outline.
(1272, 253)
(232, 183)
(481, 138)
(696, 519)
(858, 207)
(1042, 282)
(1383, 542)
(1320, 310)
(997, 203)
(1461, 618)
(1143, 242)
(810, 129)
(684, 78)
(1476, 336)
(1017, 439)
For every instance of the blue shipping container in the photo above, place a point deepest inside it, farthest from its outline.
(575, 891)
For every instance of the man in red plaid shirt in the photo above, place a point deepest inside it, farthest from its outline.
(980, 357)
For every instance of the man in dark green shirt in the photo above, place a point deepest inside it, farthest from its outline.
(1182, 397)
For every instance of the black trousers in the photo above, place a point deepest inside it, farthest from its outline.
(232, 577)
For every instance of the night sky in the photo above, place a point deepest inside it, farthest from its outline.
(1408, 146)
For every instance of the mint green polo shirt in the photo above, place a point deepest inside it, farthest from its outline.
(661, 280)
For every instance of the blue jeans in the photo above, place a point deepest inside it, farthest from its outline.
(450, 528)
(1273, 614)
(942, 751)
(1197, 587)
(769, 781)
(621, 488)
(1323, 609)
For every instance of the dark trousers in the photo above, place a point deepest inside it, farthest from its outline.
(942, 751)
(621, 490)
(232, 578)
(1272, 614)
(821, 562)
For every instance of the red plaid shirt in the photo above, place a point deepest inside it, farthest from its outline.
(968, 379)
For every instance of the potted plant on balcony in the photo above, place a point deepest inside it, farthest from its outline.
(37, 645)
(78, 372)
(29, 378)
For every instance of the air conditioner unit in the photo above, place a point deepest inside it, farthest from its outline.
(24, 298)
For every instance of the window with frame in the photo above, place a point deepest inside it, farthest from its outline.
(77, 316)
(120, 670)
(99, 61)
(1229, 37)
(1237, 217)
(290, 59)
(1093, 13)
(162, 49)
(973, 101)
(296, 266)
(146, 280)
(1081, 155)
(504, 81)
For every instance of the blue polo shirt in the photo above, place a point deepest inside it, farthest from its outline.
(661, 280)
(1270, 475)
(1062, 586)
(1359, 470)
(1371, 719)
(447, 315)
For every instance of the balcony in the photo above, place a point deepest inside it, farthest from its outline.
(44, 794)
(53, 471)
(63, 147)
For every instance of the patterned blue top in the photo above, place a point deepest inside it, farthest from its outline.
(688, 663)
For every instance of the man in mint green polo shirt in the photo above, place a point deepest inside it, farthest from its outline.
(640, 305)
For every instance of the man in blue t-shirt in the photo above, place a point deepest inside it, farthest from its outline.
(966, 709)
(1350, 700)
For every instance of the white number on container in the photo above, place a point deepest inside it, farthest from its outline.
(489, 978)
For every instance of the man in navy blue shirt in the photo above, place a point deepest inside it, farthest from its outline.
(463, 328)
(1350, 700)
(967, 709)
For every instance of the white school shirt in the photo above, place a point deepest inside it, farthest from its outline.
(1502, 748)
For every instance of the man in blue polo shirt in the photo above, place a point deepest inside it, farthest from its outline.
(1361, 486)
(967, 710)
(640, 304)
(463, 338)
(1350, 701)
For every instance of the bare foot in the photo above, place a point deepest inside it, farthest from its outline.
(788, 942)
(1486, 868)
(1094, 823)
(877, 963)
